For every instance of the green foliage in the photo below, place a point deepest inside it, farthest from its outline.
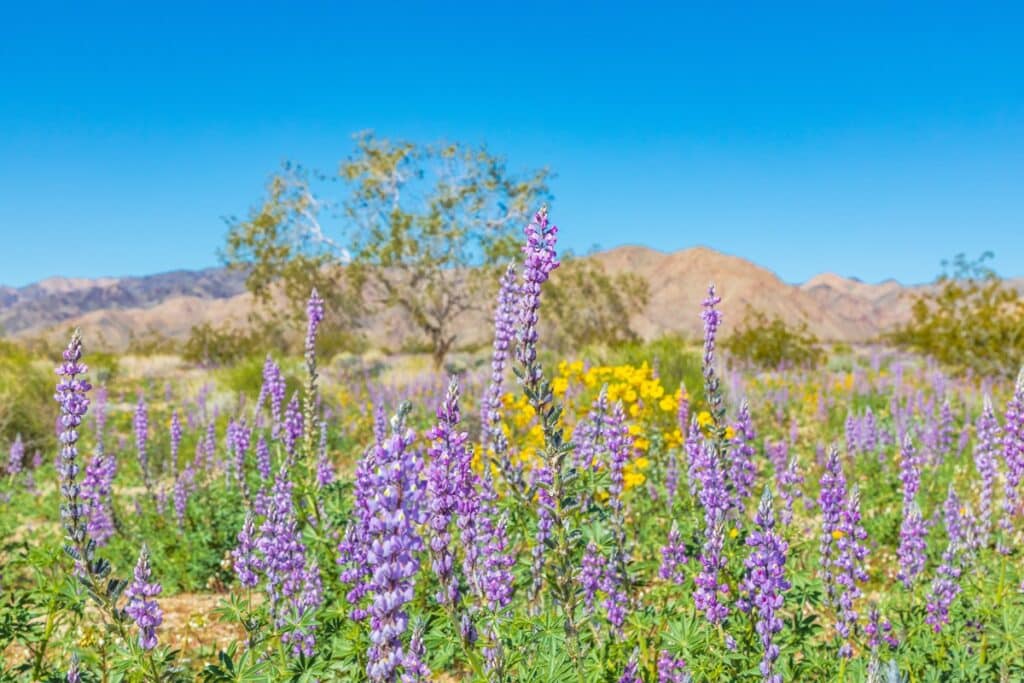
(970, 320)
(26, 399)
(208, 345)
(150, 343)
(677, 362)
(588, 306)
(771, 343)
(424, 228)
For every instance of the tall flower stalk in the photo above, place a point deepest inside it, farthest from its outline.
(393, 515)
(142, 607)
(764, 584)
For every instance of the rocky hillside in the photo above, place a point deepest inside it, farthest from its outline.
(167, 302)
(113, 309)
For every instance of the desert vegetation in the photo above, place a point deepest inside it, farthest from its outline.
(560, 505)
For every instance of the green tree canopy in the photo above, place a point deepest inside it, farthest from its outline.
(418, 227)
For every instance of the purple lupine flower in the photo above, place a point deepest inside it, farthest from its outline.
(384, 541)
(73, 675)
(504, 332)
(671, 669)
(542, 480)
(591, 568)
(741, 470)
(415, 669)
(589, 435)
(1013, 450)
(955, 516)
(184, 484)
(100, 414)
(879, 629)
(852, 429)
(496, 578)
(616, 600)
(540, 260)
(673, 558)
(292, 579)
(16, 457)
(140, 423)
(314, 316)
(672, 478)
(631, 674)
(275, 387)
(354, 546)
(946, 584)
(714, 498)
(239, 438)
(712, 319)
(97, 486)
(849, 565)
(263, 465)
(141, 607)
(830, 499)
(765, 582)
(869, 432)
(985, 453)
(395, 510)
(597, 573)
(380, 424)
(449, 479)
(72, 395)
(324, 468)
(175, 440)
(493, 582)
(910, 470)
(210, 446)
(945, 431)
(695, 455)
(292, 425)
(789, 482)
(620, 450)
(245, 561)
(913, 545)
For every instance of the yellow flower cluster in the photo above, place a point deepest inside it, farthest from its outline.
(650, 409)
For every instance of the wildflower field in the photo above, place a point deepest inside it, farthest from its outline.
(541, 519)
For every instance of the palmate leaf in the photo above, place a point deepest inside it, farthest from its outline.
(246, 668)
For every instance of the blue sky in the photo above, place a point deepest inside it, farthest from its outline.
(872, 143)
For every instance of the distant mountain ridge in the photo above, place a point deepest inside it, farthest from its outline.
(112, 310)
(53, 301)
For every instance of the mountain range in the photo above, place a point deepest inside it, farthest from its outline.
(113, 310)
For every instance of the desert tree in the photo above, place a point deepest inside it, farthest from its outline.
(419, 227)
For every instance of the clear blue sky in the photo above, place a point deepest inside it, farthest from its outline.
(871, 143)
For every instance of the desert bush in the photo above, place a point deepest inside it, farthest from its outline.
(151, 343)
(589, 306)
(26, 395)
(971, 320)
(209, 345)
(770, 343)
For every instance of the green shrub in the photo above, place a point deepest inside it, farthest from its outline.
(675, 360)
(214, 346)
(26, 399)
(588, 306)
(971, 320)
(771, 343)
